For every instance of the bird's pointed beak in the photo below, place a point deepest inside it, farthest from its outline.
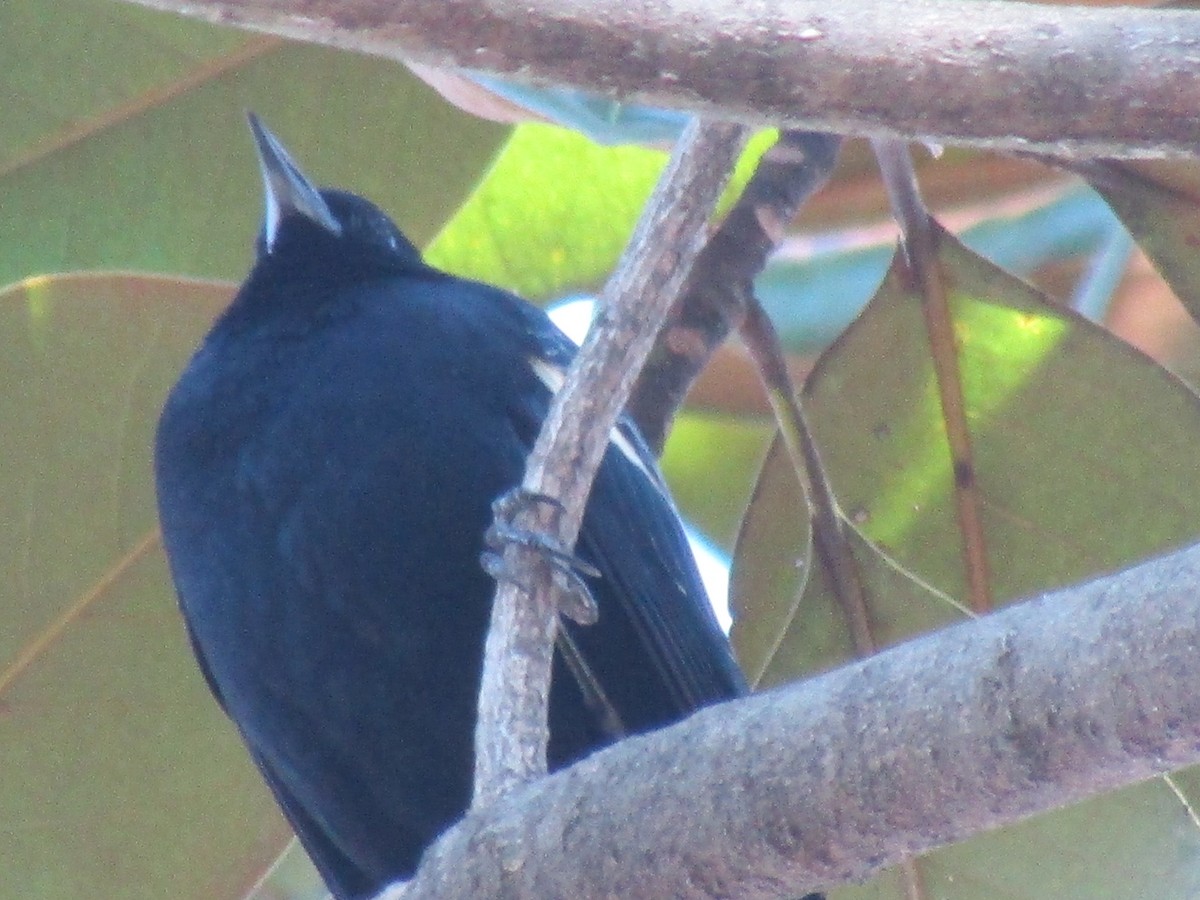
(285, 188)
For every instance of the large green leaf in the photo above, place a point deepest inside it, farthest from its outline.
(1133, 844)
(124, 142)
(553, 213)
(122, 777)
(1084, 447)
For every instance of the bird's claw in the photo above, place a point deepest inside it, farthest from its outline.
(576, 600)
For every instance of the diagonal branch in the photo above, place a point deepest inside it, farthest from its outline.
(1034, 707)
(721, 284)
(511, 734)
(920, 256)
(1016, 76)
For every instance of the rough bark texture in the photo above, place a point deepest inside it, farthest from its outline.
(1039, 705)
(721, 283)
(511, 735)
(1063, 80)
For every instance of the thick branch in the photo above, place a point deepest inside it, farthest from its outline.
(1031, 708)
(1063, 80)
(511, 734)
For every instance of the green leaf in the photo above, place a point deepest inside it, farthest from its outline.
(551, 215)
(125, 780)
(787, 620)
(141, 158)
(709, 461)
(555, 210)
(1084, 447)
(1083, 450)
(773, 561)
(1133, 844)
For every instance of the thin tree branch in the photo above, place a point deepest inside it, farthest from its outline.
(920, 255)
(828, 530)
(1039, 705)
(722, 281)
(1015, 76)
(511, 734)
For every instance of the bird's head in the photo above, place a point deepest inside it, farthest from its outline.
(304, 226)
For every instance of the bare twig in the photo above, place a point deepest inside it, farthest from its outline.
(980, 725)
(1063, 80)
(920, 253)
(511, 734)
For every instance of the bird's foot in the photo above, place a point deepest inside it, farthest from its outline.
(569, 570)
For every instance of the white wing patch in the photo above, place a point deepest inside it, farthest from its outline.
(553, 376)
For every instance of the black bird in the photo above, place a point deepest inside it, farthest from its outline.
(325, 468)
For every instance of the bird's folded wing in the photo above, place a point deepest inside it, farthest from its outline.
(648, 575)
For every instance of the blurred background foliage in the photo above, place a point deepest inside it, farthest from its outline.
(128, 207)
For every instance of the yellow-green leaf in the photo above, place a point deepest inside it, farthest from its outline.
(122, 777)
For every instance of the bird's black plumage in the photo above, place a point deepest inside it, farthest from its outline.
(325, 468)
